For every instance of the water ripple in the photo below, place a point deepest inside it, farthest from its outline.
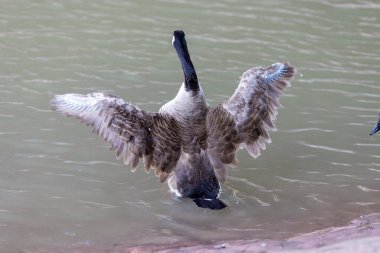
(301, 181)
(366, 189)
(326, 148)
(353, 108)
(355, 6)
(316, 198)
(374, 170)
(11, 133)
(97, 204)
(363, 203)
(345, 175)
(368, 144)
(262, 203)
(7, 116)
(249, 183)
(310, 129)
(13, 190)
(91, 162)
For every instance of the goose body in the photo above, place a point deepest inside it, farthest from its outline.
(188, 142)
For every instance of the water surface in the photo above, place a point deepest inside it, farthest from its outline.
(61, 187)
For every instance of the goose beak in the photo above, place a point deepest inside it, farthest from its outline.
(375, 129)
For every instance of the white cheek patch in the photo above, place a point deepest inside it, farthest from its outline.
(173, 40)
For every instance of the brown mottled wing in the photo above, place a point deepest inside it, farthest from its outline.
(222, 140)
(244, 121)
(130, 131)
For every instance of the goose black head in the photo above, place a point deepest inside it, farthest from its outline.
(179, 43)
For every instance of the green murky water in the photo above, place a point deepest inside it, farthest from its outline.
(61, 187)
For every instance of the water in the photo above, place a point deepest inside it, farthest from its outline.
(61, 187)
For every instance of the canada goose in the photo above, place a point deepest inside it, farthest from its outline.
(376, 127)
(188, 142)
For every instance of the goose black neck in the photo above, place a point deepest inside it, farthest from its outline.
(191, 79)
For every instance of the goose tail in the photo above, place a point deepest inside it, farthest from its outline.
(214, 204)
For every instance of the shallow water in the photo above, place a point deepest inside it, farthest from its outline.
(61, 187)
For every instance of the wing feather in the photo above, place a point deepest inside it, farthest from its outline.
(131, 132)
(245, 120)
(255, 104)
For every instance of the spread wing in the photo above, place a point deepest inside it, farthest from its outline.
(130, 131)
(245, 120)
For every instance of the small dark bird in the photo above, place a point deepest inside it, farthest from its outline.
(376, 127)
(188, 142)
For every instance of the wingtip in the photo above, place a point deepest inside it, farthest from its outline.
(279, 73)
(289, 71)
(58, 102)
(53, 102)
